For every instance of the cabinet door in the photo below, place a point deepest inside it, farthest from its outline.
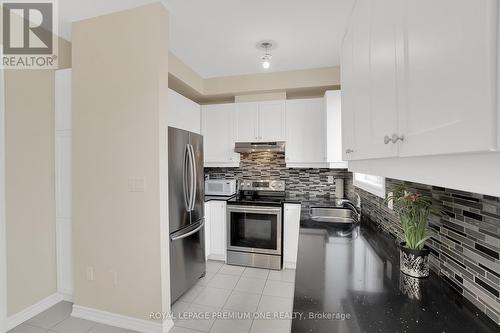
(305, 128)
(291, 234)
(208, 231)
(347, 97)
(218, 230)
(450, 77)
(374, 66)
(272, 121)
(247, 122)
(218, 134)
(183, 112)
(333, 133)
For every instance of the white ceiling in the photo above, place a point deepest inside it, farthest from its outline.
(218, 37)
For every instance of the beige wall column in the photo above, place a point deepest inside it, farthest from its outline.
(30, 204)
(120, 72)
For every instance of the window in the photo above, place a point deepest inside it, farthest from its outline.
(372, 184)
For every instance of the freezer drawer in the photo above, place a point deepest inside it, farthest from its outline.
(187, 260)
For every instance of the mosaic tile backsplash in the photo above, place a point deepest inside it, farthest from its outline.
(465, 243)
(311, 183)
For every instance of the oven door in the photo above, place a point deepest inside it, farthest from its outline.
(254, 229)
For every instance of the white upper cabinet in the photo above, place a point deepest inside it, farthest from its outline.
(305, 133)
(419, 78)
(347, 99)
(333, 124)
(272, 121)
(218, 124)
(371, 76)
(260, 121)
(183, 113)
(381, 119)
(451, 54)
(247, 120)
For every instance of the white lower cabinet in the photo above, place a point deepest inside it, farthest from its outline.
(215, 230)
(291, 227)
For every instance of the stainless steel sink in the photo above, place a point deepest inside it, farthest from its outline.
(334, 215)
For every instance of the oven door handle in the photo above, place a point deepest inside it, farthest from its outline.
(257, 209)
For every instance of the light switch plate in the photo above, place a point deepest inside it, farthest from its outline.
(136, 185)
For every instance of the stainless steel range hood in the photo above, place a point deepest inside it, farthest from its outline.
(253, 147)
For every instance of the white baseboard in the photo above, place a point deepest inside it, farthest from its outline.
(217, 257)
(290, 264)
(67, 295)
(33, 310)
(117, 320)
(168, 325)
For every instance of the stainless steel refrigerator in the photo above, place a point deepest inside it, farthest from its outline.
(186, 210)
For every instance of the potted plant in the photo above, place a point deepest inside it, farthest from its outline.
(413, 210)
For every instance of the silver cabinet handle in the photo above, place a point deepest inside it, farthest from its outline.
(349, 151)
(396, 137)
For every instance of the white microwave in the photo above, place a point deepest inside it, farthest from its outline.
(224, 187)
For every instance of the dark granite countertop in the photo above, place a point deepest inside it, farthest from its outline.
(355, 271)
(218, 197)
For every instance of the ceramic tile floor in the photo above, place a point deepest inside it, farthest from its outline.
(237, 289)
(57, 320)
(226, 288)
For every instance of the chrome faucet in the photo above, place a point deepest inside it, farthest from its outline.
(358, 201)
(356, 207)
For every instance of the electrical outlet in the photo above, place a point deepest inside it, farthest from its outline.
(114, 278)
(330, 180)
(90, 273)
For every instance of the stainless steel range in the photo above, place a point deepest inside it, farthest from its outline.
(255, 224)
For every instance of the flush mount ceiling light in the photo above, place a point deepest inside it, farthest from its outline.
(267, 46)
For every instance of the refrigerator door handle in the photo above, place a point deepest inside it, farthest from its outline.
(193, 178)
(174, 237)
(185, 178)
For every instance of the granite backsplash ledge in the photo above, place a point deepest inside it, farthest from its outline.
(309, 182)
(465, 242)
